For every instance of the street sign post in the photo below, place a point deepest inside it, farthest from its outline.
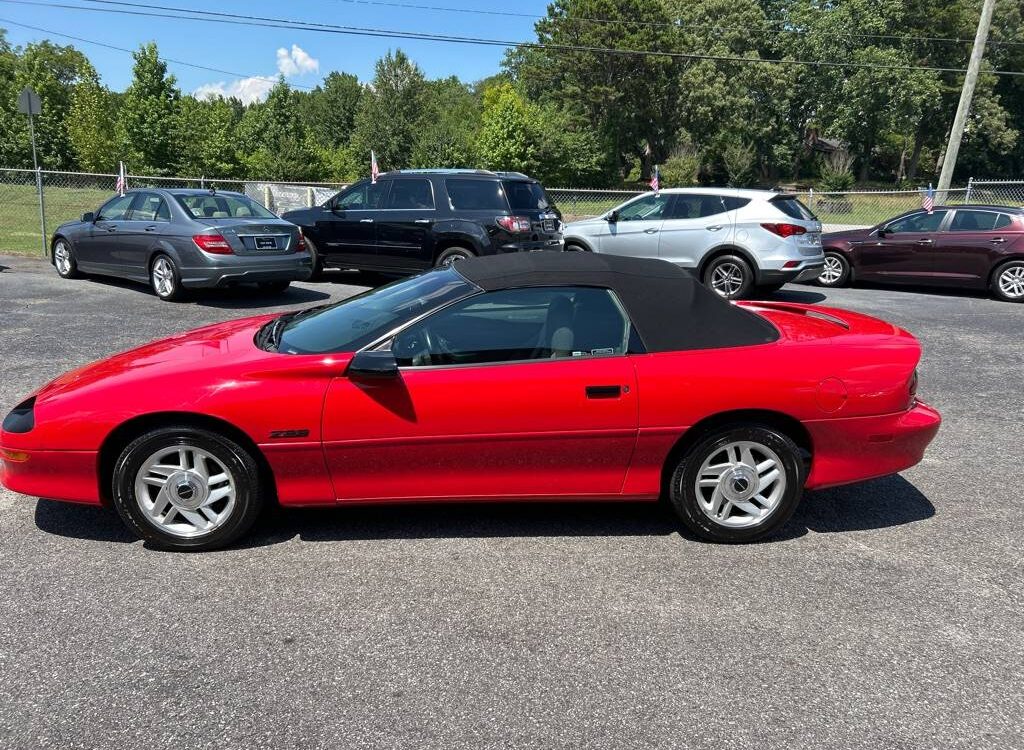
(29, 104)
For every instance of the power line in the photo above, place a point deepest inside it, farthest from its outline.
(130, 52)
(295, 25)
(629, 22)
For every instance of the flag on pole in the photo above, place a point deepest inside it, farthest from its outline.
(122, 180)
(928, 201)
(374, 169)
(655, 180)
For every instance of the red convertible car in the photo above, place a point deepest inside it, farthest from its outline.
(542, 376)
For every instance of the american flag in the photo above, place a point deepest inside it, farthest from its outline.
(122, 180)
(374, 169)
(928, 201)
(655, 180)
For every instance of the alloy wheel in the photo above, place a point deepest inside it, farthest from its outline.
(832, 272)
(163, 277)
(1011, 282)
(741, 484)
(62, 258)
(185, 491)
(727, 279)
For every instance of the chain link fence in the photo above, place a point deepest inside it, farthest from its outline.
(587, 203)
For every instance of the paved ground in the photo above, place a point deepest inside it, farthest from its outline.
(887, 616)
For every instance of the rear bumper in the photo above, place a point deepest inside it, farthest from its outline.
(56, 475)
(554, 243)
(248, 270)
(859, 448)
(806, 271)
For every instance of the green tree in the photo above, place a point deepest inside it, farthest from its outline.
(509, 131)
(204, 135)
(389, 112)
(329, 111)
(273, 141)
(91, 126)
(14, 145)
(447, 125)
(146, 121)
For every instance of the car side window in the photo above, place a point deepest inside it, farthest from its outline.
(514, 325)
(978, 221)
(648, 208)
(917, 223)
(116, 209)
(147, 207)
(696, 206)
(411, 194)
(363, 196)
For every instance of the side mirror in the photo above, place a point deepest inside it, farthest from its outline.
(612, 216)
(88, 217)
(373, 365)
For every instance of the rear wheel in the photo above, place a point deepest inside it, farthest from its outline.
(165, 279)
(318, 262)
(836, 271)
(1008, 281)
(453, 255)
(185, 488)
(738, 484)
(64, 260)
(274, 287)
(575, 247)
(729, 276)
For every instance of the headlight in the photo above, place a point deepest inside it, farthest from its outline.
(22, 417)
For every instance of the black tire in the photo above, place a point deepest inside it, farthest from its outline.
(1007, 281)
(318, 261)
(234, 460)
(836, 272)
(64, 259)
(576, 247)
(729, 276)
(274, 287)
(164, 278)
(453, 255)
(683, 491)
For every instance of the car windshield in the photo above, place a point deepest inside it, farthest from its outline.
(222, 206)
(358, 321)
(526, 196)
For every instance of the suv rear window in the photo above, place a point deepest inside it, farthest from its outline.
(475, 195)
(526, 196)
(793, 208)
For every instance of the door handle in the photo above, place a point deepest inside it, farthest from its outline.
(366, 221)
(926, 241)
(997, 240)
(151, 229)
(714, 227)
(604, 391)
(423, 221)
(652, 230)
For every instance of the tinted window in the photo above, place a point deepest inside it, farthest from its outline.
(978, 221)
(793, 208)
(648, 208)
(362, 196)
(116, 209)
(411, 194)
(526, 196)
(696, 206)
(150, 207)
(475, 195)
(732, 202)
(358, 321)
(515, 325)
(222, 206)
(919, 222)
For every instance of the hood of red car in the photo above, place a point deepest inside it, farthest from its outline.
(213, 346)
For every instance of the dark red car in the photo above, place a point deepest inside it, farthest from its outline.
(972, 247)
(543, 376)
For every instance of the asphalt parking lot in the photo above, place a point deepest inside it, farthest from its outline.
(888, 615)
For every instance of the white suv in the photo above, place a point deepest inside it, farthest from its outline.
(733, 240)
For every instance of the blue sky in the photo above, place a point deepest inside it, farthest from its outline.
(305, 56)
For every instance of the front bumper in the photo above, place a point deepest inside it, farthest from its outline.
(56, 475)
(859, 448)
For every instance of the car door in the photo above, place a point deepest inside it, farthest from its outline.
(346, 228)
(637, 227)
(404, 224)
(147, 218)
(97, 248)
(695, 224)
(508, 394)
(962, 254)
(902, 249)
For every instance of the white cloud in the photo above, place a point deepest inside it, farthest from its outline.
(248, 90)
(296, 62)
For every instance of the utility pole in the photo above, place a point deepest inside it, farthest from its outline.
(966, 95)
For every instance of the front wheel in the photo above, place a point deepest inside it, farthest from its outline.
(185, 488)
(738, 484)
(835, 272)
(1008, 281)
(64, 260)
(729, 276)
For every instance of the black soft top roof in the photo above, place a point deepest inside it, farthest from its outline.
(670, 309)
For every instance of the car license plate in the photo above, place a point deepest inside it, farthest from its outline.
(265, 243)
(549, 225)
(813, 238)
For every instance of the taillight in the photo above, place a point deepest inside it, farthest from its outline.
(300, 246)
(785, 230)
(212, 243)
(514, 223)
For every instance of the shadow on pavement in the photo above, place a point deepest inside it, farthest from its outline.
(240, 297)
(881, 503)
(790, 294)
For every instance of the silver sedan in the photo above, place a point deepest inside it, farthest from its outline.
(183, 239)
